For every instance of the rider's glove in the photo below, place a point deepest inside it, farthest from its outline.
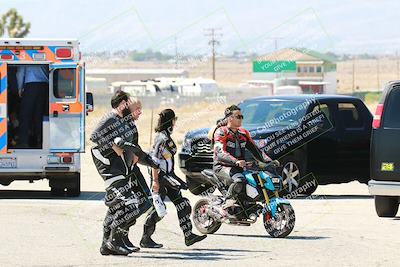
(275, 163)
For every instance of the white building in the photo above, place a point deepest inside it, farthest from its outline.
(312, 71)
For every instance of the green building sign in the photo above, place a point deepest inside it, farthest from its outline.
(274, 66)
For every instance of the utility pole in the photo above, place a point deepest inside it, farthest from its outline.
(213, 35)
(275, 38)
(176, 51)
(377, 72)
(353, 67)
(275, 42)
(398, 65)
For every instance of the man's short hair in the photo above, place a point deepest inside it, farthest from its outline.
(229, 110)
(118, 97)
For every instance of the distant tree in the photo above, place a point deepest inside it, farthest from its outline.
(15, 25)
(332, 54)
(149, 55)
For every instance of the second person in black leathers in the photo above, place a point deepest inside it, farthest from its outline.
(167, 184)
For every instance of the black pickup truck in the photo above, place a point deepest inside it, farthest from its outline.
(318, 139)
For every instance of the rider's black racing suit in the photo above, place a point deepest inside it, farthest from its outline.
(126, 192)
(170, 185)
(229, 148)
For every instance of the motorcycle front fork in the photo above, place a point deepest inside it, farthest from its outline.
(265, 194)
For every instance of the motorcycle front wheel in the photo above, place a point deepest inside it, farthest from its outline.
(203, 222)
(282, 224)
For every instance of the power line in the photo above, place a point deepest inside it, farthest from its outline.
(212, 33)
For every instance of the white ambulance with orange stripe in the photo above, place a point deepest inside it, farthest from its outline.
(57, 158)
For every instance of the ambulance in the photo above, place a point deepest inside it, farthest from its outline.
(56, 156)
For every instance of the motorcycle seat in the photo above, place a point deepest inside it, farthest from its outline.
(208, 172)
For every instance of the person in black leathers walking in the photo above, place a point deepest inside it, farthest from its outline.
(167, 183)
(115, 154)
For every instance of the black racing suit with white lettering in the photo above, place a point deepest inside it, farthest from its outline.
(164, 150)
(124, 195)
(229, 148)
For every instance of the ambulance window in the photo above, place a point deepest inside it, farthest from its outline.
(64, 83)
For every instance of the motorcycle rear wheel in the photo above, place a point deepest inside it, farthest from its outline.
(203, 222)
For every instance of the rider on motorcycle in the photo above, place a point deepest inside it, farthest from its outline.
(230, 142)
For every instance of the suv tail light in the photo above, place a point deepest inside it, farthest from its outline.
(63, 53)
(376, 123)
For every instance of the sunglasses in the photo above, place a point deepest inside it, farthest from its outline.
(239, 117)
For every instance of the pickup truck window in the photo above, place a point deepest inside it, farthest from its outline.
(327, 120)
(392, 110)
(274, 113)
(350, 116)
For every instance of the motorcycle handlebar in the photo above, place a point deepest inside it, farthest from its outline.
(261, 165)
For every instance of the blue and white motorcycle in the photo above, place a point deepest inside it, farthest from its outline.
(260, 198)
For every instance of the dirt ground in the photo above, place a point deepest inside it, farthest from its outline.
(368, 73)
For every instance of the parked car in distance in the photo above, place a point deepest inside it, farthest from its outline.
(385, 152)
(320, 138)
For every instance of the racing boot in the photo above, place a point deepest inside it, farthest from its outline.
(233, 191)
(116, 244)
(128, 244)
(146, 241)
(103, 249)
(230, 202)
(191, 238)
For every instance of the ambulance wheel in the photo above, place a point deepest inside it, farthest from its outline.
(58, 192)
(75, 189)
(69, 186)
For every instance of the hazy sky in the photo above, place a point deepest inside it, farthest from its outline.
(341, 26)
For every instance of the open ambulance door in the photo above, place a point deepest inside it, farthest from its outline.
(3, 108)
(67, 108)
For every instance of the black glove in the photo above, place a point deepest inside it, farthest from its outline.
(144, 158)
(149, 161)
(183, 185)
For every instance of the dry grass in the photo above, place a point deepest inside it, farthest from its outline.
(202, 114)
(232, 73)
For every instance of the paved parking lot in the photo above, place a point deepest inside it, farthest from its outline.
(338, 226)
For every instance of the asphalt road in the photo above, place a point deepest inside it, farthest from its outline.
(336, 227)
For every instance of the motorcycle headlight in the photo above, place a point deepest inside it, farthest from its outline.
(275, 180)
(277, 183)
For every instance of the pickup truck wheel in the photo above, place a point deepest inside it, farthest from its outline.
(292, 171)
(386, 206)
